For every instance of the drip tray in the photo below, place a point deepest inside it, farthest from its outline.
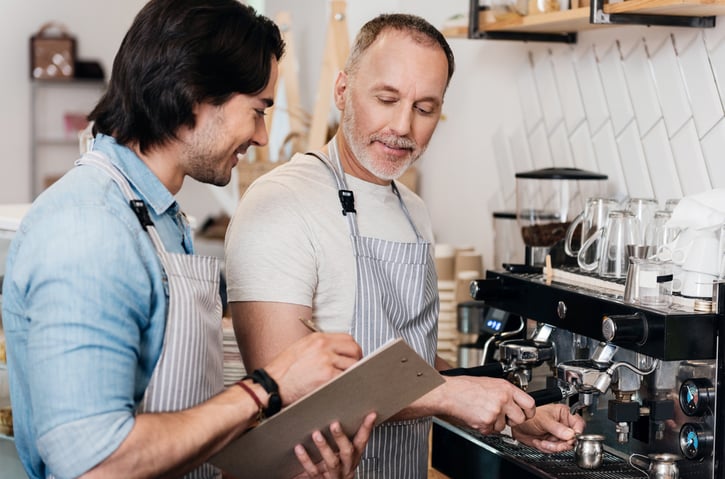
(563, 464)
(464, 453)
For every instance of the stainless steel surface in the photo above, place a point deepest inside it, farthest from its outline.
(589, 450)
(659, 466)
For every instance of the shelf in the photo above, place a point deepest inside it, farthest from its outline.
(56, 106)
(554, 22)
(675, 13)
(69, 83)
(694, 8)
(57, 142)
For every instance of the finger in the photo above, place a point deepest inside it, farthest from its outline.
(525, 402)
(514, 415)
(574, 421)
(500, 423)
(552, 446)
(304, 459)
(330, 458)
(343, 362)
(345, 448)
(345, 345)
(363, 434)
(558, 429)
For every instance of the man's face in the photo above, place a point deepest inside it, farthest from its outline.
(224, 133)
(391, 104)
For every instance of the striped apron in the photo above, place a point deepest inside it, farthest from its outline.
(396, 296)
(190, 368)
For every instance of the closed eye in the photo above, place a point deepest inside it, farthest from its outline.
(387, 99)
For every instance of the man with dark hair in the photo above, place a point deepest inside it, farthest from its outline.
(113, 325)
(330, 237)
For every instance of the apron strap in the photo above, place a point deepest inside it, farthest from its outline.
(346, 196)
(99, 160)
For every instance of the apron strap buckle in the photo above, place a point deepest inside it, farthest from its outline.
(139, 207)
(347, 200)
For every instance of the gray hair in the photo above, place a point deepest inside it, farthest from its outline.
(420, 29)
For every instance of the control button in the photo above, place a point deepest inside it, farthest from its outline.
(696, 396)
(627, 328)
(696, 441)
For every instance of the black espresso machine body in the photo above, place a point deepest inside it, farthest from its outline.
(647, 379)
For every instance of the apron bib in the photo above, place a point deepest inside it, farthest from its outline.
(190, 368)
(396, 296)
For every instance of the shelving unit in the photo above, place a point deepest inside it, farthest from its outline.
(562, 26)
(52, 147)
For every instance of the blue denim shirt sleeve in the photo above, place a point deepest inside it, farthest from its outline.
(81, 356)
(84, 313)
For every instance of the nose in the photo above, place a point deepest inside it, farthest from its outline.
(401, 119)
(260, 136)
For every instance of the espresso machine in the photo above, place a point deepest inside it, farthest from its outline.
(646, 379)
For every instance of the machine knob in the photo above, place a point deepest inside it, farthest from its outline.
(626, 328)
(696, 396)
(696, 441)
(482, 289)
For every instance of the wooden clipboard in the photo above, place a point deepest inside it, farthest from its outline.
(385, 381)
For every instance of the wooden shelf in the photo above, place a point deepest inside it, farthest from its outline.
(554, 22)
(694, 8)
(578, 19)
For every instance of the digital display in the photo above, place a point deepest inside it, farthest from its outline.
(494, 325)
(494, 320)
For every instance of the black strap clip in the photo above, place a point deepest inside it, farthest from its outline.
(347, 200)
(142, 213)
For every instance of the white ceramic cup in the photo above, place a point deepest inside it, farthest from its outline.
(703, 254)
(696, 284)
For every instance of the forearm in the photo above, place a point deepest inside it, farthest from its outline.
(435, 403)
(432, 404)
(169, 444)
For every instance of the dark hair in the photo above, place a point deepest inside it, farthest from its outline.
(179, 53)
(421, 31)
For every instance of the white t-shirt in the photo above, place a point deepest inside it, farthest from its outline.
(289, 241)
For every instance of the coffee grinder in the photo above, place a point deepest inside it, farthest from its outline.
(547, 200)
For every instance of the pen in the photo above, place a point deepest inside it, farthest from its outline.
(310, 325)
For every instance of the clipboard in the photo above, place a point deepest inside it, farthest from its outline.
(385, 381)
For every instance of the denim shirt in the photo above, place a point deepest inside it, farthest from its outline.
(84, 311)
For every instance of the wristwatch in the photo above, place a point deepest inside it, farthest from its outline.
(274, 404)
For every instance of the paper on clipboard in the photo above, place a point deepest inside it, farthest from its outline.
(385, 381)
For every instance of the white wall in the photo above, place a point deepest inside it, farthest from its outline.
(99, 27)
(643, 105)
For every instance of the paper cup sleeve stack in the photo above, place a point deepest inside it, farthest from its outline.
(456, 268)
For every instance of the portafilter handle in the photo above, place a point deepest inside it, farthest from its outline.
(552, 394)
(493, 370)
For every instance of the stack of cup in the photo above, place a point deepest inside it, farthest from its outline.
(445, 258)
(468, 267)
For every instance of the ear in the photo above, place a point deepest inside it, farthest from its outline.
(340, 89)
